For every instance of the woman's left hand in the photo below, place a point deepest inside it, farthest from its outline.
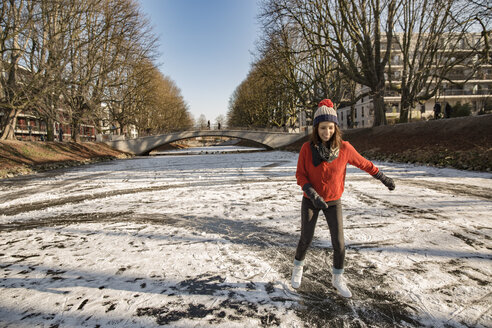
(387, 181)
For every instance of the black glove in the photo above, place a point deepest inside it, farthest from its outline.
(387, 181)
(318, 202)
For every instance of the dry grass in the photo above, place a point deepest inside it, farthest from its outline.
(20, 157)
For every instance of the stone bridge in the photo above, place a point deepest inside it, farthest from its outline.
(144, 145)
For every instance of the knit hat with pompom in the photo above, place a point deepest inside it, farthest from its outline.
(325, 112)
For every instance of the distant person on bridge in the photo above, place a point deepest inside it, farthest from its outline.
(321, 169)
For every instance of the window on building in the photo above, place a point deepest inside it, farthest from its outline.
(21, 122)
(362, 112)
(355, 113)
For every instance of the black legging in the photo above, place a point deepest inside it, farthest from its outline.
(309, 217)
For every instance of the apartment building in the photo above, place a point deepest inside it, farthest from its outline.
(110, 129)
(466, 83)
(363, 114)
(31, 125)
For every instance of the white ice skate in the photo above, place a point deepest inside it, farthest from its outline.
(338, 282)
(296, 276)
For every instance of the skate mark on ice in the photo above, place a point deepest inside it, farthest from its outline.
(468, 240)
(457, 268)
(44, 188)
(40, 205)
(453, 188)
(413, 212)
(63, 220)
(366, 226)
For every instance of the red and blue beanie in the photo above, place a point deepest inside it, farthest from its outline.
(325, 112)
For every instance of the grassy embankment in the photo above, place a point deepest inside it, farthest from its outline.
(20, 157)
(463, 143)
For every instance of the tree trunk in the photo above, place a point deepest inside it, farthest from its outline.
(8, 132)
(379, 109)
(75, 131)
(50, 129)
(404, 106)
(352, 116)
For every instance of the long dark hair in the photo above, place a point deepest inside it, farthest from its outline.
(336, 138)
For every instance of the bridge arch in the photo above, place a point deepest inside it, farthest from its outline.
(252, 142)
(144, 145)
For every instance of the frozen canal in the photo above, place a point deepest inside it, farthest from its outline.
(208, 241)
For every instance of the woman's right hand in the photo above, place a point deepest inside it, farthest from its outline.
(318, 202)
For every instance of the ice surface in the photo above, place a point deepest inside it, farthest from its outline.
(208, 241)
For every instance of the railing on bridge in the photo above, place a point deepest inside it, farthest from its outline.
(250, 128)
(280, 130)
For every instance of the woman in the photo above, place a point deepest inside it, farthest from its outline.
(320, 172)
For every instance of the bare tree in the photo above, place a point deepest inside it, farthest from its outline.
(106, 39)
(220, 120)
(281, 61)
(127, 96)
(129, 48)
(305, 73)
(255, 103)
(161, 108)
(482, 9)
(434, 40)
(173, 113)
(49, 56)
(73, 61)
(356, 34)
(16, 24)
(202, 122)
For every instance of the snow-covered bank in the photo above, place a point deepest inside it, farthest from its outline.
(208, 240)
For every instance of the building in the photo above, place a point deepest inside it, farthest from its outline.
(363, 114)
(469, 87)
(30, 125)
(110, 129)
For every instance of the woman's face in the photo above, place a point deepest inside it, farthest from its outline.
(326, 130)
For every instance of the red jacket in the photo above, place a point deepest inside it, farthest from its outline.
(328, 179)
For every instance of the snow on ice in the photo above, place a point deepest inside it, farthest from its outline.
(209, 240)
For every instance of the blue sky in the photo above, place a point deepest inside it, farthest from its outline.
(205, 48)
